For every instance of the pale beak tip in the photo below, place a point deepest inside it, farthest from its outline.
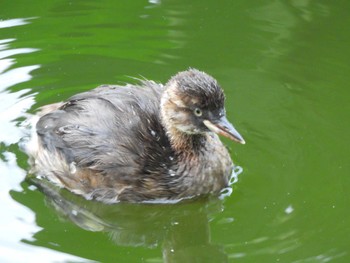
(226, 129)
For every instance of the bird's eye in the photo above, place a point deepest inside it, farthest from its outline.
(197, 112)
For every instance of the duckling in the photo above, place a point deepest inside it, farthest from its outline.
(138, 143)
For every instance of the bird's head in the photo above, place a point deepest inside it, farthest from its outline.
(193, 103)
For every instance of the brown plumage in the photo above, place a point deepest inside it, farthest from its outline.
(138, 143)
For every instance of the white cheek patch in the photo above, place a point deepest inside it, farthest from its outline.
(181, 122)
(186, 128)
(172, 96)
(178, 116)
(194, 101)
(175, 114)
(178, 102)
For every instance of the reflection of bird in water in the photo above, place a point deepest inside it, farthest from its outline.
(181, 230)
(138, 142)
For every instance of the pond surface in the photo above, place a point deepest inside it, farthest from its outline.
(285, 69)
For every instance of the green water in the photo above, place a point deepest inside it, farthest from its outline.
(284, 66)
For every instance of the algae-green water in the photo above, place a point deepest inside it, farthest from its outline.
(284, 67)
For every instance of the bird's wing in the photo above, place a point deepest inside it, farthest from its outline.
(107, 129)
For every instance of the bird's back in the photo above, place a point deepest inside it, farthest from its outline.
(108, 139)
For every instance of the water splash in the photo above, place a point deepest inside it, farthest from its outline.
(237, 170)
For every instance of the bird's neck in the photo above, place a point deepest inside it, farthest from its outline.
(181, 142)
(186, 144)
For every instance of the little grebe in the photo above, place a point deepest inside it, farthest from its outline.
(138, 143)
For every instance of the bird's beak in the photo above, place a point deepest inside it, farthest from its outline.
(224, 128)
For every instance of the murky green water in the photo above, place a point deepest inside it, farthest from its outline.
(285, 68)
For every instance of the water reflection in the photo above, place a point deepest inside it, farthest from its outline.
(18, 222)
(181, 231)
(282, 20)
(15, 22)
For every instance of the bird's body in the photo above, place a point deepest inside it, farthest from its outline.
(136, 142)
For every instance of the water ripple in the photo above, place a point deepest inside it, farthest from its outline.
(15, 22)
(17, 221)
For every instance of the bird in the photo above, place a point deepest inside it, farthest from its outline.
(143, 142)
